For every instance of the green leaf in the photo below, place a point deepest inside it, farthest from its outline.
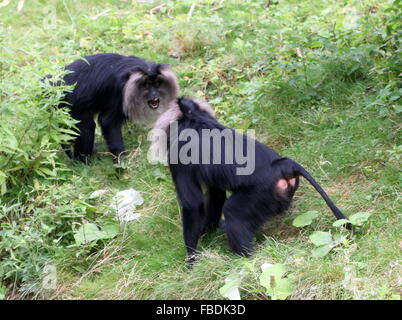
(3, 183)
(88, 232)
(3, 292)
(3, 188)
(230, 289)
(305, 219)
(359, 218)
(110, 230)
(272, 280)
(274, 269)
(158, 174)
(284, 288)
(90, 209)
(398, 108)
(215, 101)
(340, 222)
(47, 171)
(338, 239)
(320, 238)
(316, 44)
(321, 251)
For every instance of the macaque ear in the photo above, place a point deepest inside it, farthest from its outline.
(128, 74)
(166, 72)
(163, 67)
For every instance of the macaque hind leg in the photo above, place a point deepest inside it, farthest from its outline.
(214, 200)
(241, 222)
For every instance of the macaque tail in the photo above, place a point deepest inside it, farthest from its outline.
(291, 168)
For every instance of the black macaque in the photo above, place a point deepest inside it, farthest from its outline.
(116, 88)
(201, 184)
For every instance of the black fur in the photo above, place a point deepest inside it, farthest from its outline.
(99, 81)
(254, 197)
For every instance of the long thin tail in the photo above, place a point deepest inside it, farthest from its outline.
(298, 170)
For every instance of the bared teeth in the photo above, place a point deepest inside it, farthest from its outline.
(153, 103)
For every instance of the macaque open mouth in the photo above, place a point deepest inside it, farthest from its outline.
(153, 103)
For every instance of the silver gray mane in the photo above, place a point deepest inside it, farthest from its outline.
(158, 149)
(135, 106)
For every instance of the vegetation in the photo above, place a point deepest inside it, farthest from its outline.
(319, 81)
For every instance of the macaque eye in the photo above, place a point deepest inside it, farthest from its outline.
(159, 81)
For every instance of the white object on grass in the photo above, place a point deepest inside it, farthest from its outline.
(125, 203)
(231, 288)
(233, 293)
(264, 266)
(97, 193)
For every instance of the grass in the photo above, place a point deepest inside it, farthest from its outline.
(315, 79)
